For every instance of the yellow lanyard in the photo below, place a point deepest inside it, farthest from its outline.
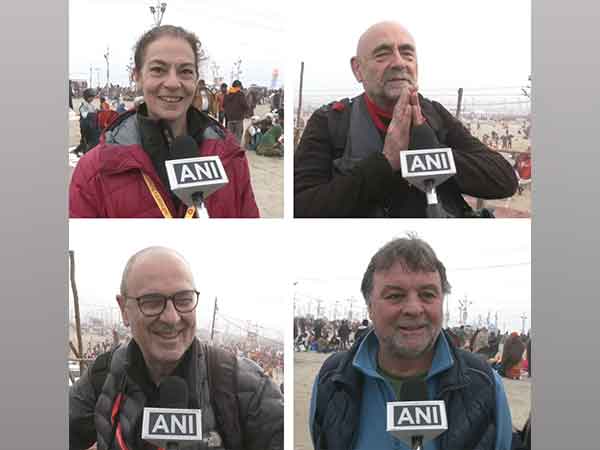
(189, 214)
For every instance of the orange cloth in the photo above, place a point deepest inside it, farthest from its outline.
(514, 373)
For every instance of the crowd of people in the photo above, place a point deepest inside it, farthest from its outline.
(268, 357)
(501, 136)
(508, 353)
(230, 106)
(324, 336)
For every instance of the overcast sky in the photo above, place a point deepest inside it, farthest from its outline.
(487, 261)
(228, 31)
(480, 46)
(252, 268)
(241, 264)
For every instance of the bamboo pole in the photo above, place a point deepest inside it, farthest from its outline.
(76, 304)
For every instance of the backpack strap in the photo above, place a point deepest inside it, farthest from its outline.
(338, 124)
(223, 384)
(99, 371)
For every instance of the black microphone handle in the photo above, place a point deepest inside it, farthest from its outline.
(417, 443)
(434, 211)
(198, 199)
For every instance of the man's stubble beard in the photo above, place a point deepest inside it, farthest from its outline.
(395, 346)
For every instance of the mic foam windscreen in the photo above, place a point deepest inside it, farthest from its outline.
(184, 147)
(173, 393)
(413, 391)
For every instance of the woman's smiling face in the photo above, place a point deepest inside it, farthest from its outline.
(168, 78)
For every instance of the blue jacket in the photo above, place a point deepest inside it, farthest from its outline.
(376, 392)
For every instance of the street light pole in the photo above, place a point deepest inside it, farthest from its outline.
(157, 12)
(107, 73)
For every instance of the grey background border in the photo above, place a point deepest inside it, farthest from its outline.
(565, 238)
(566, 97)
(33, 186)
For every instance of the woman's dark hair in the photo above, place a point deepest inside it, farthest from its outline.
(512, 352)
(165, 30)
(89, 93)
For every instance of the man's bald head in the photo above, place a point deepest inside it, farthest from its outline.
(374, 34)
(385, 62)
(155, 252)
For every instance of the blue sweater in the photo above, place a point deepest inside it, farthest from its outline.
(377, 392)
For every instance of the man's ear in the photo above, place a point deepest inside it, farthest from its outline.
(355, 65)
(121, 301)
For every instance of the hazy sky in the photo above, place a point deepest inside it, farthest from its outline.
(238, 263)
(252, 268)
(228, 31)
(488, 261)
(480, 46)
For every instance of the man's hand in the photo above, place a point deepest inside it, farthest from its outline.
(417, 116)
(398, 132)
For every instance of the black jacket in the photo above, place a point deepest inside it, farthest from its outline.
(467, 388)
(235, 396)
(321, 191)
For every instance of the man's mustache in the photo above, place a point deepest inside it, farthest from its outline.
(391, 75)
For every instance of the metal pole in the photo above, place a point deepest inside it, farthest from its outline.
(300, 95)
(107, 65)
(158, 11)
(458, 106)
(524, 318)
(212, 328)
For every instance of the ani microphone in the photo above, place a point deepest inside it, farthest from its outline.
(173, 425)
(426, 169)
(192, 178)
(416, 420)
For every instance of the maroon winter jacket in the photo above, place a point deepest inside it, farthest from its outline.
(108, 183)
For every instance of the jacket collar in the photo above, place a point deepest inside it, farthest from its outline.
(137, 370)
(365, 359)
(140, 139)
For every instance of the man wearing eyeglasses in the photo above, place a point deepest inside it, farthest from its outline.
(241, 407)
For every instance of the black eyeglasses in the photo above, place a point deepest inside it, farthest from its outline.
(154, 304)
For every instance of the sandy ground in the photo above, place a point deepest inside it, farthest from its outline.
(266, 173)
(307, 365)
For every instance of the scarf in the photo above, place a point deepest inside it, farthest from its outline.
(381, 118)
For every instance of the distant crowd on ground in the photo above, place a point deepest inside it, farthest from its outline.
(229, 105)
(500, 138)
(508, 353)
(268, 357)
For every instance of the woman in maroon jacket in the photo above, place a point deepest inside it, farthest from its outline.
(125, 175)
